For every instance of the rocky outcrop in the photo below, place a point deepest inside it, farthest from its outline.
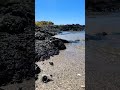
(46, 46)
(17, 42)
(18, 48)
(54, 29)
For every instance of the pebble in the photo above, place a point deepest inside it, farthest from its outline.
(51, 63)
(51, 75)
(79, 75)
(45, 79)
(82, 86)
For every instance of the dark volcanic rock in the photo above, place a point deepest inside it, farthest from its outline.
(17, 42)
(54, 29)
(64, 41)
(37, 69)
(46, 79)
(51, 63)
(41, 35)
(46, 45)
(58, 43)
(45, 49)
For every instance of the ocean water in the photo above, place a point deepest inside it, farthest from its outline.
(76, 38)
(72, 36)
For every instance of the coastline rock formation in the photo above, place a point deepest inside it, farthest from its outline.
(20, 47)
(46, 45)
(16, 41)
(57, 28)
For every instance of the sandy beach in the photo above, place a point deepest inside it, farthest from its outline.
(68, 71)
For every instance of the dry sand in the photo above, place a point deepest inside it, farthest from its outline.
(68, 70)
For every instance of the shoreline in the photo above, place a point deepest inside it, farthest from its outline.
(68, 72)
(46, 44)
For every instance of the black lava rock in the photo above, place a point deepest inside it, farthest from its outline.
(37, 69)
(51, 63)
(16, 41)
(46, 79)
(51, 75)
(59, 44)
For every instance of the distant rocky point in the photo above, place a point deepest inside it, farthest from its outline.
(50, 26)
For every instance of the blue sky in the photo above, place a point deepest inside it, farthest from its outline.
(60, 11)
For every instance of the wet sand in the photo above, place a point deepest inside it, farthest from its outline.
(25, 85)
(102, 63)
(68, 71)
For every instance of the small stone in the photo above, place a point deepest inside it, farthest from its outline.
(44, 79)
(82, 86)
(51, 75)
(51, 63)
(79, 75)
